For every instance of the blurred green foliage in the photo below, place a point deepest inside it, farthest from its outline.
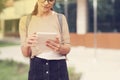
(73, 75)
(6, 43)
(10, 70)
(2, 2)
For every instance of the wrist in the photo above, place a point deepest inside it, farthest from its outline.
(64, 50)
(25, 45)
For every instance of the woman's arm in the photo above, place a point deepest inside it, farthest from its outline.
(26, 48)
(62, 42)
(26, 40)
(26, 51)
(64, 49)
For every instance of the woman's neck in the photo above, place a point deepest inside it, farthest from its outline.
(40, 14)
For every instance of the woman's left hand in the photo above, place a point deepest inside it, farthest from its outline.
(54, 44)
(58, 47)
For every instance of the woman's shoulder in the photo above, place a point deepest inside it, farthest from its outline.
(56, 14)
(25, 17)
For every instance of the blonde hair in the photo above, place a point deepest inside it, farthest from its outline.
(35, 10)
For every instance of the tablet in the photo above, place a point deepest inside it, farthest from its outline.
(42, 38)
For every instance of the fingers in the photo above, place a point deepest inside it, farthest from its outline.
(57, 40)
(54, 45)
(31, 40)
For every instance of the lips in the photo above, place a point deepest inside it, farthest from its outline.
(46, 6)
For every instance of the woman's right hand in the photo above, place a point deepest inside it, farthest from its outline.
(30, 42)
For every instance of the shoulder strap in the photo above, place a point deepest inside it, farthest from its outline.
(60, 21)
(27, 23)
(61, 28)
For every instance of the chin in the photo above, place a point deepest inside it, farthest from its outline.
(46, 10)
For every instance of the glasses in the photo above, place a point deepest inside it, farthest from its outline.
(49, 1)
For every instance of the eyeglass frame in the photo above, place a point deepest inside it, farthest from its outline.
(48, 1)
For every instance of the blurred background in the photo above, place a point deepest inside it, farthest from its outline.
(94, 30)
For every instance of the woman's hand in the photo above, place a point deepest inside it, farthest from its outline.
(31, 40)
(26, 48)
(58, 47)
(54, 44)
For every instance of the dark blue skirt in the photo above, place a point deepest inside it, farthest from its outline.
(42, 69)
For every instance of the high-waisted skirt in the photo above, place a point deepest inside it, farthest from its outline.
(42, 69)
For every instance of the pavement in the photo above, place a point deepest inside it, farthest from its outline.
(13, 53)
(94, 64)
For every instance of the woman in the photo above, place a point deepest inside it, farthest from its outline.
(49, 65)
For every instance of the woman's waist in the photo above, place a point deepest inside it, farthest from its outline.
(50, 55)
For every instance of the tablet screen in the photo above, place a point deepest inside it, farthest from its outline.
(41, 41)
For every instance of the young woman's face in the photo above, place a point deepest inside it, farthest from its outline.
(45, 5)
